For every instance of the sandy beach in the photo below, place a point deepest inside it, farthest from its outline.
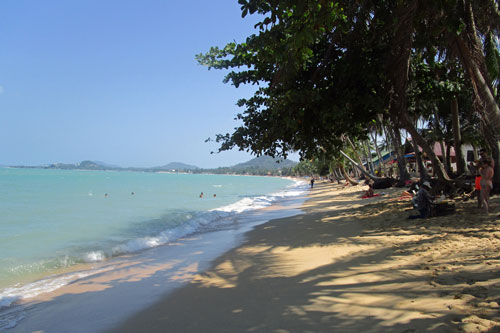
(346, 264)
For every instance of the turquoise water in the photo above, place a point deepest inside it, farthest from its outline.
(54, 219)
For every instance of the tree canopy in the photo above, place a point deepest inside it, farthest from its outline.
(328, 69)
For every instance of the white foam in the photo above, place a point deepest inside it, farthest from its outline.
(195, 222)
(94, 256)
(11, 313)
(247, 204)
(9, 297)
(168, 235)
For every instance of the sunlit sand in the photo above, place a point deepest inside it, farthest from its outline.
(347, 264)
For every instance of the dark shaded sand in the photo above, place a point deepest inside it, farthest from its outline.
(346, 265)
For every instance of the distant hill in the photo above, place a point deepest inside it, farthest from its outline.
(107, 165)
(265, 162)
(97, 165)
(83, 165)
(263, 165)
(176, 166)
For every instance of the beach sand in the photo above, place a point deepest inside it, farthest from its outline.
(346, 264)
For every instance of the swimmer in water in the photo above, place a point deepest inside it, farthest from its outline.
(201, 195)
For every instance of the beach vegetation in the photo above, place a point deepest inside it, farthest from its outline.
(330, 70)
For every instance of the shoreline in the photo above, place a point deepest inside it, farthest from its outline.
(103, 298)
(49, 266)
(346, 264)
(151, 171)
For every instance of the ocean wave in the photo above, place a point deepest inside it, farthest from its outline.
(11, 312)
(183, 226)
(196, 221)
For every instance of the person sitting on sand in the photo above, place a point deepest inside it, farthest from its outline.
(423, 202)
(369, 193)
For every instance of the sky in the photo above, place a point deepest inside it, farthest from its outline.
(116, 81)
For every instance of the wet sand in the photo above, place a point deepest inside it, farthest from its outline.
(105, 294)
(346, 264)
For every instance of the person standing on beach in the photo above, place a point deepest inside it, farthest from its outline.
(312, 182)
(477, 186)
(484, 155)
(486, 172)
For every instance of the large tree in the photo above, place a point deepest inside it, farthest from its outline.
(317, 80)
(330, 68)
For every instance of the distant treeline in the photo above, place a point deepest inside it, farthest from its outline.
(260, 166)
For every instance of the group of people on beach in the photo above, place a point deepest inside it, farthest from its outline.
(483, 186)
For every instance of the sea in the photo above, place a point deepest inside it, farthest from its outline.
(54, 222)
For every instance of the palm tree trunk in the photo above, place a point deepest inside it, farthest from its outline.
(398, 66)
(424, 175)
(481, 88)
(379, 155)
(400, 155)
(438, 167)
(492, 141)
(368, 153)
(356, 154)
(357, 166)
(448, 160)
(457, 137)
(346, 176)
(443, 155)
(336, 175)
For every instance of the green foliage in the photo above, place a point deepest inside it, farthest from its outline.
(314, 89)
(492, 57)
(262, 166)
(326, 69)
(304, 168)
(265, 162)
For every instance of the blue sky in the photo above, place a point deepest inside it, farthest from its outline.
(116, 81)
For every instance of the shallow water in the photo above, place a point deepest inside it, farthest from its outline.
(54, 220)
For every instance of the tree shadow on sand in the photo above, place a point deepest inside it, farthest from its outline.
(340, 269)
(346, 265)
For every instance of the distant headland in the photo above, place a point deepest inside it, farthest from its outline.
(263, 165)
